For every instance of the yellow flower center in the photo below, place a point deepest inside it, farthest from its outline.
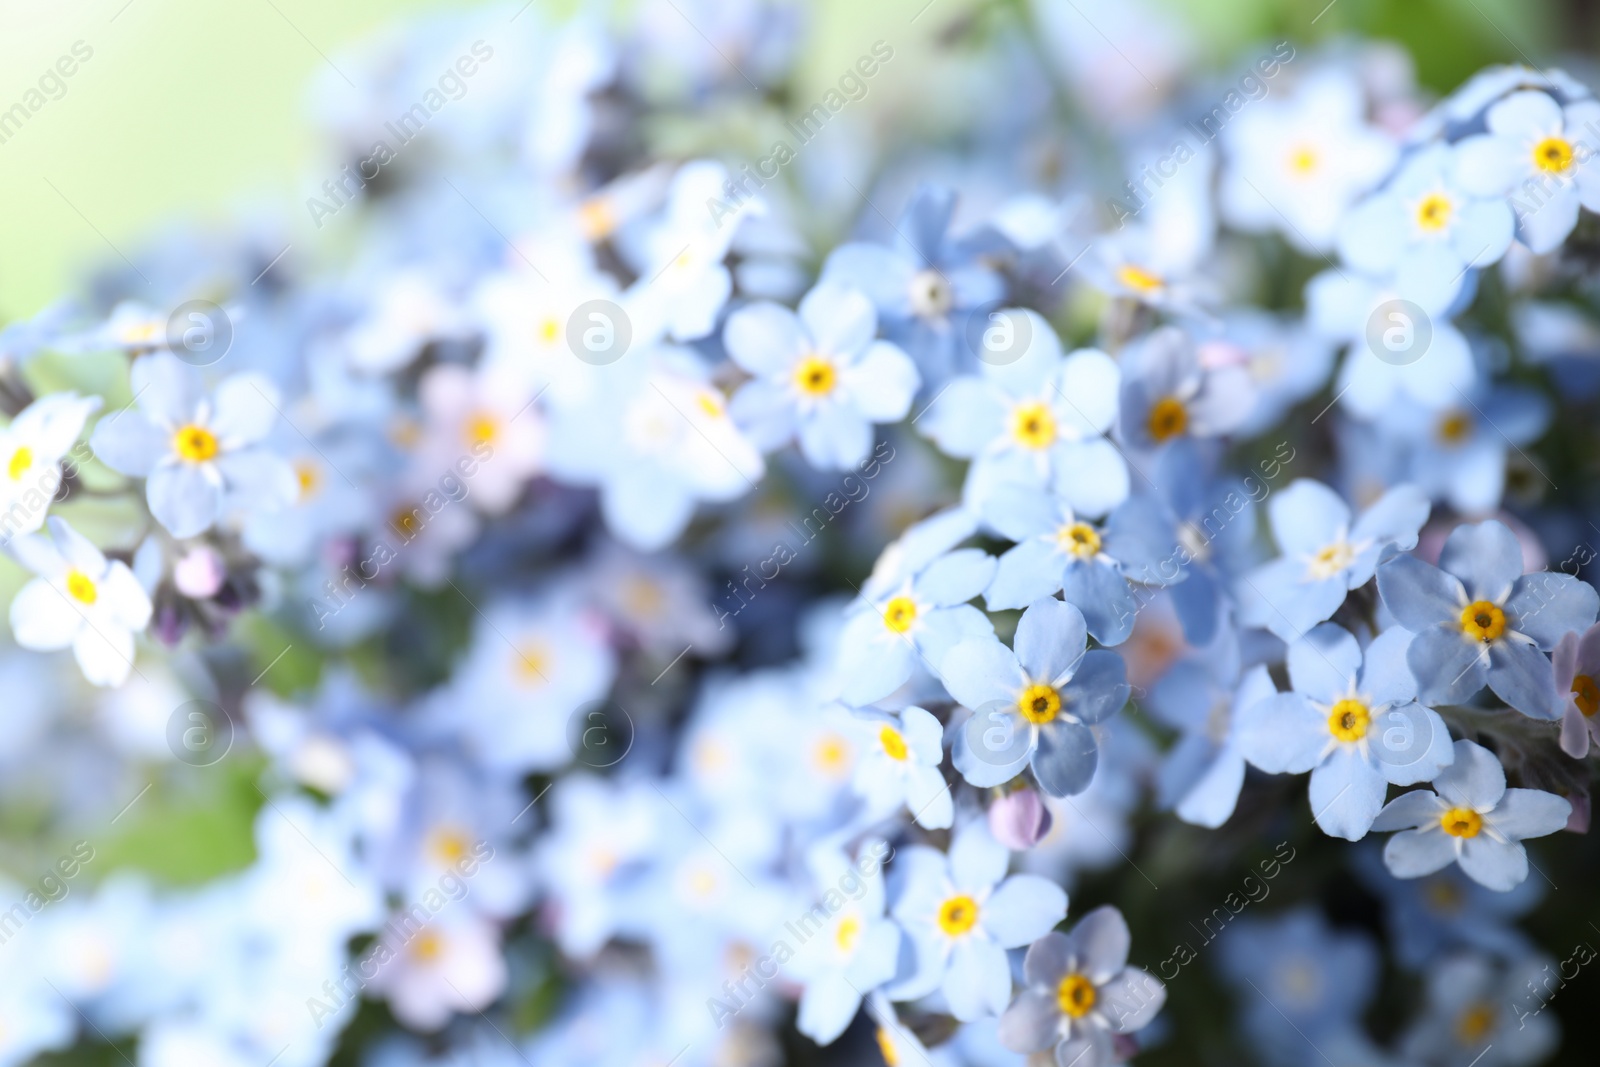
(1433, 213)
(1303, 159)
(1168, 418)
(815, 376)
(1039, 703)
(531, 660)
(1474, 1023)
(596, 218)
(407, 522)
(481, 429)
(847, 933)
(1348, 720)
(1482, 621)
(195, 444)
(1033, 425)
(448, 844)
(21, 460)
(81, 587)
(428, 946)
(710, 403)
(1454, 428)
(1138, 279)
(899, 614)
(1553, 155)
(308, 477)
(1461, 822)
(930, 294)
(1331, 559)
(1586, 694)
(894, 743)
(832, 755)
(1079, 539)
(549, 330)
(1445, 897)
(1075, 996)
(958, 915)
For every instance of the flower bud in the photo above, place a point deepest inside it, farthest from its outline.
(1019, 820)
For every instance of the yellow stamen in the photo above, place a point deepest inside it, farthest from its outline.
(1483, 621)
(1586, 694)
(1033, 425)
(1138, 279)
(899, 614)
(1461, 822)
(1079, 539)
(958, 915)
(815, 376)
(1348, 720)
(1168, 418)
(1553, 155)
(847, 933)
(1039, 703)
(81, 587)
(1433, 213)
(894, 743)
(21, 460)
(195, 444)
(1075, 996)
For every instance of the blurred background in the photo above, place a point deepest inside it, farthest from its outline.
(194, 108)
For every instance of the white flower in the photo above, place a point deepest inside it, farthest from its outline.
(31, 450)
(81, 600)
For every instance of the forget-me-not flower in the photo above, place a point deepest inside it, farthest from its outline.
(1168, 392)
(960, 913)
(1079, 991)
(1472, 819)
(199, 455)
(1033, 706)
(1352, 721)
(1479, 620)
(820, 375)
(1325, 555)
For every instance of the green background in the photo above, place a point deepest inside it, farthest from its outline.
(196, 108)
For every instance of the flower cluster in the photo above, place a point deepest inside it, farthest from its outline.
(431, 562)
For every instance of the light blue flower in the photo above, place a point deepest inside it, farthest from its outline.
(913, 608)
(1034, 706)
(1204, 771)
(820, 375)
(926, 286)
(1168, 392)
(1356, 726)
(1298, 980)
(856, 950)
(201, 455)
(1430, 914)
(1480, 620)
(1038, 420)
(960, 913)
(1541, 153)
(1424, 229)
(1472, 819)
(1485, 1012)
(1325, 555)
(900, 766)
(1093, 564)
(1458, 454)
(1079, 991)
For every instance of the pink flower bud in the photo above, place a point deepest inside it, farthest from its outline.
(1019, 820)
(200, 573)
(1578, 821)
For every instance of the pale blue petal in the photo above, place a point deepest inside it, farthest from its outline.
(1411, 744)
(1050, 640)
(183, 499)
(840, 320)
(955, 578)
(1448, 668)
(1419, 595)
(1546, 606)
(1283, 735)
(1065, 759)
(1306, 516)
(835, 436)
(1098, 689)
(965, 418)
(882, 383)
(1098, 945)
(1386, 676)
(1029, 1024)
(1524, 813)
(1090, 475)
(1521, 676)
(1474, 780)
(1494, 865)
(1099, 591)
(765, 411)
(977, 860)
(992, 748)
(1415, 853)
(764, 338)
(827, 1007)
(1021, 512)
(1026, 572)
(1483, 231)
(1418, 808)
(1324, 663)
(1130, 999)
(1047, 959)
(1211, 800)
(978, 982)
(1023, 909)
(1346, 794)
(1486, 557)
(981, 671)
(129, 443)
